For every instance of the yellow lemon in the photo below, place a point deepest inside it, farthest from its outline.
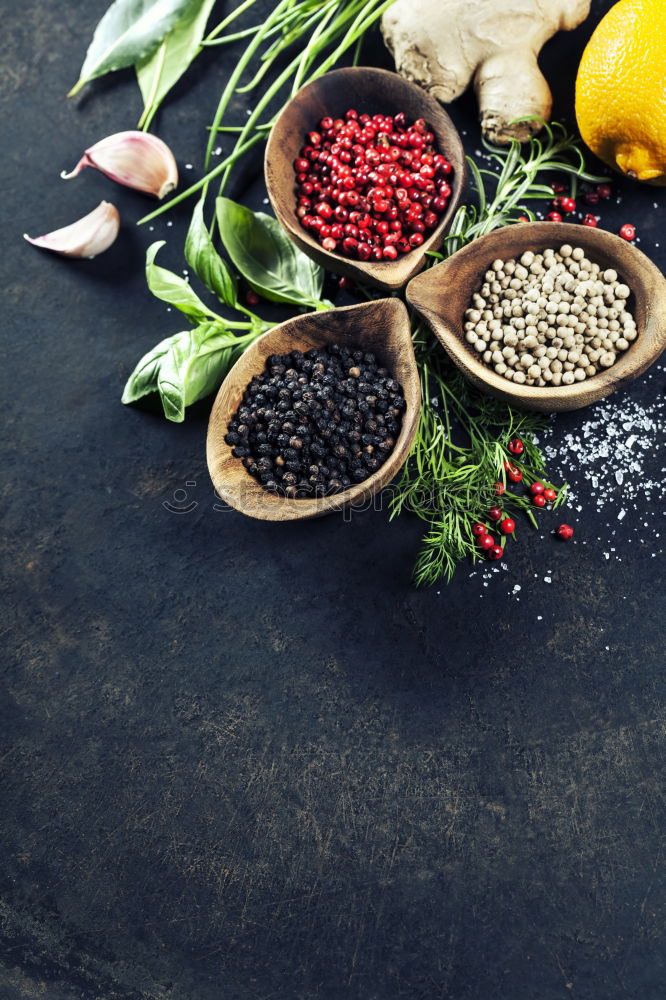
(621, 90)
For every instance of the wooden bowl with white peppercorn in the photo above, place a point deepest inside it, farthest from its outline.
(381, 327)
(444, 294)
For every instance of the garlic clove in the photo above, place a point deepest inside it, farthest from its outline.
(87, 237)
(136, 159)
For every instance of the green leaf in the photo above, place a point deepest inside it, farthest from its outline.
(157, 73)
(205, 261)
(130, 31)
(272, 265)
(143, 379)
(186, 367)
(171, 288)
(194, 367)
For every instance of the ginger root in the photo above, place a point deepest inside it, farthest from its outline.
(444, 44)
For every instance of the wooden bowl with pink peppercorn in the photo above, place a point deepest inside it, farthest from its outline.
(369, 91)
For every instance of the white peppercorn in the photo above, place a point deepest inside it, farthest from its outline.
(549, 318)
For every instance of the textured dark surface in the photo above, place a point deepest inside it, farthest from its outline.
(245, 760)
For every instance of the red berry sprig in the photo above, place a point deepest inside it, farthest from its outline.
(516, 446)
(565, 532)
(371, 188)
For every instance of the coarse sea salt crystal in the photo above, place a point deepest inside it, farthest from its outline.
(619, 476)
(547, 579)
(621, 515)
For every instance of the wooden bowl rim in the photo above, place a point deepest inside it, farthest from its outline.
(386, 275)
(647, 284)
(270, 507)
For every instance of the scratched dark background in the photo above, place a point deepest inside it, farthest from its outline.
(244, 761)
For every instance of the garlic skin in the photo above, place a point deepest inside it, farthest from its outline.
(86, 237)
(136, 159)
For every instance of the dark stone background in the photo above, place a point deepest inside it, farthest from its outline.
(245, 761)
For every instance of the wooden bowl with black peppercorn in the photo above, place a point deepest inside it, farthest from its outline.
(381, 327)
(371, 91)
(443, 293)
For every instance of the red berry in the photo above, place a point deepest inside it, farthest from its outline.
(628, 232)
(539, 500)
(479, 529)
(494, 514)
(590, 220)
(513, 472)
(329, 244)
(496, 552)
(568, 205)
(592, 198)
(523, 218)
(558, 188)
(550, 495)
(604, 191)
(565, 532)
(500, 488)
(485, 541)
(345, 283)
(507, 527)
(252, 298)
(516, 446)
(554, 217)
(536, 489)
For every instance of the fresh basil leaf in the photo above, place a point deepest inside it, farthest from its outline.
(186, 367)
(143, 379)
(157, 73)
(130, 31)
(173, 289)
(272, 265)
(194, 367)
(205, 261)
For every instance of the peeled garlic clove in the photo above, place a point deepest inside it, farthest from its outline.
(136, 159)
(91, 235)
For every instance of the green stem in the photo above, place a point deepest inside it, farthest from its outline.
(238, 71)
(231, 17)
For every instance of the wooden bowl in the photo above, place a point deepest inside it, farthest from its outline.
(370, 91)
(381, 326)
(443, 294)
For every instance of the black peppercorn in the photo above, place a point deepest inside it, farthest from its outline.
(311, 423)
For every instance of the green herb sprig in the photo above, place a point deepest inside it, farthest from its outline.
(326, 30)
(461, 442)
